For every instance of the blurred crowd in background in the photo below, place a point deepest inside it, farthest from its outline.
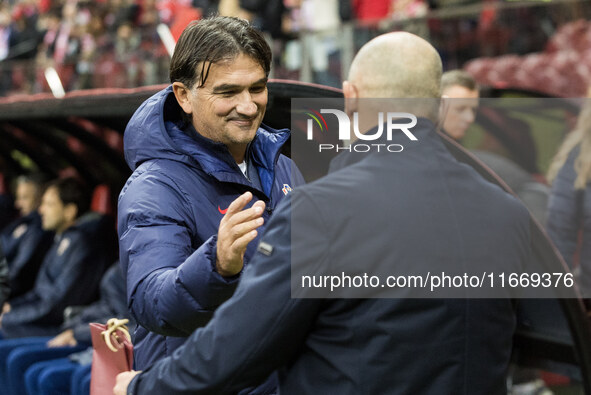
(122, 43)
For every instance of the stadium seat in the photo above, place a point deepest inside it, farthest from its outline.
(101, 200)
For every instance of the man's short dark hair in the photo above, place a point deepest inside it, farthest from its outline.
(70, 190)
(212, 40)
(458, 78)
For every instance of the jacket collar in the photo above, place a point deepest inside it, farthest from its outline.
(424, 131)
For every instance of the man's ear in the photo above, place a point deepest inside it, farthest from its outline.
(182, 93)
(351, 96)
(71, 212)
(350, 90)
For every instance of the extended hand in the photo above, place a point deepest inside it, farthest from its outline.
(66, 338)
(123, 380)
(237, 229)
(5, 309)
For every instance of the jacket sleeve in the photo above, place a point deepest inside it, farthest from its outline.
(235, 351)
(27, 246)
(563, 222)
(172, 286)
(112, 304)
(45, 303)
(4, 284)
(28, 257)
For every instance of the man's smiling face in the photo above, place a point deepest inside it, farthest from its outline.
(230, 106)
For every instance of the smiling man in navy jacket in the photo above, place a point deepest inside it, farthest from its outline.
(207, 175)
(419, 207)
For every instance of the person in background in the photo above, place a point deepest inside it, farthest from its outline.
(569, 206)
(461, 96)
(71, 270)
(24, 241)
(460, 111)
(69, 275)
(47, 364)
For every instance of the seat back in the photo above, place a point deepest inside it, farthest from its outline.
(101, 200)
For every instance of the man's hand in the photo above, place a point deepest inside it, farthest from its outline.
(123, 380)
(237, 229)
(66, 338)
(5, 309)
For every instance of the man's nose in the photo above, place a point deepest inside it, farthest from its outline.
(469, 116)
(246, 105)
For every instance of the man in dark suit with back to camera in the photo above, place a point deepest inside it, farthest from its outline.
(377, 212)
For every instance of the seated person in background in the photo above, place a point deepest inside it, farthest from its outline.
(112, 304)
(46, 365)
(71, 270)
(24, 241)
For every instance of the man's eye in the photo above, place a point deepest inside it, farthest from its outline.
(257, 89)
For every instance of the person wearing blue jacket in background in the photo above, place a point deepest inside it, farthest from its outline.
(69, 275)
(206, 175)
(24, 240)
(72, 268)
(46, 365)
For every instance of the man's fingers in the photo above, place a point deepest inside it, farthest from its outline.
(248, 214)
(259, 204)
(239, 203)
(239, 246)
(240, 230)
(122, 382)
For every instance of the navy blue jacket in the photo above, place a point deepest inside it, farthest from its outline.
(569, 212)
(4, 284)
(25, 243)
(69, 275)
(169, 214)
(112, 304)
(7, 212)
(419, 207)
